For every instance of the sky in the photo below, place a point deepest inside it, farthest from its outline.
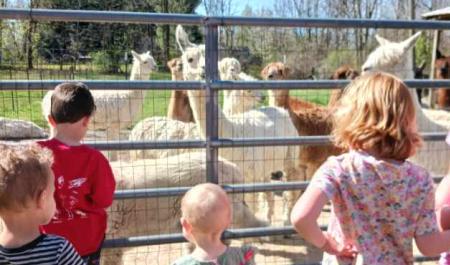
(239, 5)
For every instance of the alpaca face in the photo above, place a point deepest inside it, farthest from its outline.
(345, 72)
(391, 57)
(229, 69)
(243, 100)
(275, 71)
(175, 65)
(145, 61)
(193, 57)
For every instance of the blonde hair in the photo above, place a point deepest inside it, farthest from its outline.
(202, 203)
(377, 114)
(25, 172)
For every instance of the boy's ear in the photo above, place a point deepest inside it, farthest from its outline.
(51, 121)
(185, 224)
(40, 200)
(86, 120)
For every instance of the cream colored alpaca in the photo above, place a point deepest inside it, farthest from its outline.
(257, 163)
(117, 109)
(237, 101)
(155, 216)
(19, 129)
(395, 58)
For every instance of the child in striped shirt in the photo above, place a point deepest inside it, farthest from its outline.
(26, 202)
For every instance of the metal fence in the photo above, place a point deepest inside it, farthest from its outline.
(212, 85)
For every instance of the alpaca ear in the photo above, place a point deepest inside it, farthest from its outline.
(381, 40)
(439, 54)
(183, 39)
(422, 65)
(136, 55)
(221, 66)
(411, 41)
(286, 71)
(264, 72)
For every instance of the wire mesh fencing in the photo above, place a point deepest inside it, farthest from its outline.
(253, 150)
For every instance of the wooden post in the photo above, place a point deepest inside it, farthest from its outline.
(431, 98)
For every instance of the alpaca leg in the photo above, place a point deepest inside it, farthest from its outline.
(113, 134)
(268, 200)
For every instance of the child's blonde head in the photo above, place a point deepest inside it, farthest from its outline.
(377, 114)
(207, 208)
(25, 172)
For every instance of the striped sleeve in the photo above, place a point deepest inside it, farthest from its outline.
(68, 255)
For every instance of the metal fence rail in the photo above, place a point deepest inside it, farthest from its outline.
(212, 85)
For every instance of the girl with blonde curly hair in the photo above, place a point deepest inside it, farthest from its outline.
(380, 200)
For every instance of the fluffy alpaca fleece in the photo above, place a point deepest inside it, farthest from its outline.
(257, 163)
(162, 129)
(179, 108)
(344, 72)
(308, 118)
(394, 57)
(237, 101)
(19, 129)
(117, 109)
(154, 216)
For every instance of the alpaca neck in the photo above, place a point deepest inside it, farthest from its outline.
(177, 76)
(137, 73)
(279, 98)
(197, 102)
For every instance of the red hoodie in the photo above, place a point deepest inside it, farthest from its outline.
(84, 187)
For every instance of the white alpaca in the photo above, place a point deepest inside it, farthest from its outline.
(19, 129)
(237, 101)
(393, 57)
(257, 163)
(163, 129)
(117, 109)
(154, 216)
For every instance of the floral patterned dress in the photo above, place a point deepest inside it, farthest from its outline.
(378, 205)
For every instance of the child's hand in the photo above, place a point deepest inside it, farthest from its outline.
(444, 217)
(334, 248)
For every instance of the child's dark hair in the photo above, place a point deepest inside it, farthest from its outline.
(71, 102)
(25, 171)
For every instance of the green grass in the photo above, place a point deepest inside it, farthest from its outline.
(26, 105)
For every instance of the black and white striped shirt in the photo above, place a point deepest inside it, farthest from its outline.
(46, 249)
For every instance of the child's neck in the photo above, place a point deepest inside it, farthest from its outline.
(208, 247)
(67, 135)
(18, 229)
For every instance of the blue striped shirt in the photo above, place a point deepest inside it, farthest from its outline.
(44, 250)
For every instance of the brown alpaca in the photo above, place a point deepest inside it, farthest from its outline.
(308, 118)
(179, 108)
(343, 72)
(442, 71)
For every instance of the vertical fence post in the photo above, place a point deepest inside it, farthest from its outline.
(212, 103)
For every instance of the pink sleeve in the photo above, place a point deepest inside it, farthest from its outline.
(326, 177)
(103, 184)
(426, 221)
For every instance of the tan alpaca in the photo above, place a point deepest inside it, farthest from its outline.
(308, 118)
(179, 108)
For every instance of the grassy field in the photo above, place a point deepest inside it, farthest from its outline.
(25, 105)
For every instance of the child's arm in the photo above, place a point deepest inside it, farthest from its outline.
(304, 217)
(103, 184)
(442, 198)
(433, 244)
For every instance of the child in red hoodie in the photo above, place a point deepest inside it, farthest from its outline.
(84, 182)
